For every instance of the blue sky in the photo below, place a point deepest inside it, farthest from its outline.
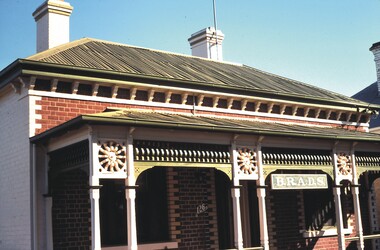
(321, 42)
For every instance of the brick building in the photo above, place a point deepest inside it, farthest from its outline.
(110, 146)
(371, 93)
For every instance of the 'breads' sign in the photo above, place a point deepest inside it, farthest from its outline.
(299, 181)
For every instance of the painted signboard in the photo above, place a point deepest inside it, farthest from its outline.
(299, 181)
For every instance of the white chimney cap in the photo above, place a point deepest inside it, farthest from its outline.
(207, 43)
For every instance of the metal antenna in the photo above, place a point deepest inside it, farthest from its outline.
(216, 27)
(214, 7)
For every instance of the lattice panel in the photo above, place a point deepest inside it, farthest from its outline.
(156, 151)
(297, 159)
(71, 156)
(367, 160)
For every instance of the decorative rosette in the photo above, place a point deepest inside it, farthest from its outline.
(246, 161)
(344, 164)
(112, 156)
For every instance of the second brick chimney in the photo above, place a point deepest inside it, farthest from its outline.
(53, 21)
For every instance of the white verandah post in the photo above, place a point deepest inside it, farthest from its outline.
(49, 222)
(95, 214)
(261, 193)
(235, 194)
(338, 203)
(130, 195)
(104, 151)
(94, 197)
(339, 218)
(356, 201)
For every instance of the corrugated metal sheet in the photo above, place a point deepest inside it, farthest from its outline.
(221, 124)
(104, 55)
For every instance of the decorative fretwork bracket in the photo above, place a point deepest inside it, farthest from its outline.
(111, 159)
(245, 163)
(343, 167)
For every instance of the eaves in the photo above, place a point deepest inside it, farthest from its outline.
(22, 67)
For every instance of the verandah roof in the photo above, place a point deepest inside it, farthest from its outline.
(207, 123)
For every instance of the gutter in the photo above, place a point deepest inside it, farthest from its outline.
(10, 72)
(76, 122)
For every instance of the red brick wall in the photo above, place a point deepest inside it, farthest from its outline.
(189, 188)
(56, 111)
(326, 243)
(71, 211)
(331, 243)
(285, 224)
(284, 220)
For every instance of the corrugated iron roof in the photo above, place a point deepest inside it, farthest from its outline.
(209, 123)
(108, 56)
(238, 125)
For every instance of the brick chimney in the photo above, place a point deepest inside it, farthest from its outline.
(53, 21)
(207, 43)
(375, 48)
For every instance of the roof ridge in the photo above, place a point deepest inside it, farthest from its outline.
(167, 52)
(59, 48)
(84, 40)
